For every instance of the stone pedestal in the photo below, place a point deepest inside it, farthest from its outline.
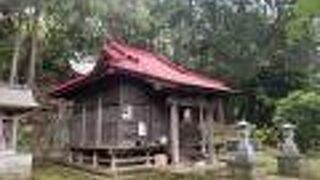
(15, 166)
(289, 161)
(289, 165)
(242, 170)
(244, 158)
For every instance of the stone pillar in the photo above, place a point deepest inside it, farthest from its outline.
(174, 133)
(244, 159)
(289, 160)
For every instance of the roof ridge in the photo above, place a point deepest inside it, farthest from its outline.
(172, 64)
(160, 57)
(115, 45)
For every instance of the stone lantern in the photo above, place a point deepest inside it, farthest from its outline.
(15, 102)
(244, 158)
(289, 158)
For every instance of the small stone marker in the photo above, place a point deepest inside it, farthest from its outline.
(244, 159)
(289, 159)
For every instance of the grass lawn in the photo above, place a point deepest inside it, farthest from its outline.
(266, 169)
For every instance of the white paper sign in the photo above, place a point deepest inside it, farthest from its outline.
(142, 128)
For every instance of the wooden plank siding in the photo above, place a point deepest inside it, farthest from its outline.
(147, 106)
(95, 129)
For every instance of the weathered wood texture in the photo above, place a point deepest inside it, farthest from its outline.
(94, 130)
(147, 107)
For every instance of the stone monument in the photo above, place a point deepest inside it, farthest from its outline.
(289, 159)
(244, 157)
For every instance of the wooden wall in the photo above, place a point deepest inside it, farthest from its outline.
(148, 106)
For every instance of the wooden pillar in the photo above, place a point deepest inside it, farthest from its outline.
(84, 129)
(174, 133)
(202, 128)
(210, 122)
(95, 162)
(148, 158)
(61, 111)
(80, 157)
(99, 122)
(70, 156)
(2, 140)
(14, 133)
(113, 165)
(221, 117)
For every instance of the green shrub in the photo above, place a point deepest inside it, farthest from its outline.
(267, 135)
(302, 108)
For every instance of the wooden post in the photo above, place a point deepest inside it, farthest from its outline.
(61, 111)
(113, 165)
(70, 156)
(220, 110)
(81, 158)
(95, 159)
(14, 133)
(99, 122)
(202, 129)
(148, 160)
(84, 129)
(2, 139)
(174, 133)
(210, 122)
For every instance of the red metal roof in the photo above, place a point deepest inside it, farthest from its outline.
(123, 57)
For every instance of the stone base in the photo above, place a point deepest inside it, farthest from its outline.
(15, 166)
(241, 170)
(289, 165)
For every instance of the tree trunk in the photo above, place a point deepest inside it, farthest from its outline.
(34, 50)
(15, 59)
(33, 59)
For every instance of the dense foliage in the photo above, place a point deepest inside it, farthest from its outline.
(302, 109)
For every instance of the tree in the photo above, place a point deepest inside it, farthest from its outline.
(302, 109)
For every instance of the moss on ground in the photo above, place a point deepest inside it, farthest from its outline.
(266, 169)
(56, 172)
